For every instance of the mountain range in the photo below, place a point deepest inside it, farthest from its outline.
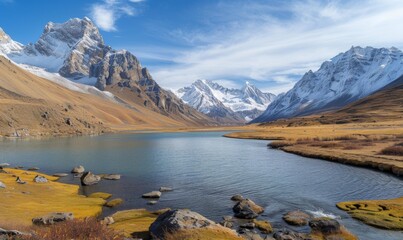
(347, 77)
(75, 51)
(221, 103)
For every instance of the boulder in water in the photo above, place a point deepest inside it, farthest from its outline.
(153, 194)
(88, 179)
(78, 169)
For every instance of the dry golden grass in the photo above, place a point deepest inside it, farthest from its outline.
(135, 223)
(358, 144)
(203, 234)
(22, 202)
(83, 229)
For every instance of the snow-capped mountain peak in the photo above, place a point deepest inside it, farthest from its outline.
(207, 97)
(347, 77)
(8, 45)
(69, 48)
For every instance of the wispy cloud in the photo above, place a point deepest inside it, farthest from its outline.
(277, 43)
(107, 12)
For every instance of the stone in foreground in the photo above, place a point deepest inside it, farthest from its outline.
(52, 218)
(88, 179)
(174, 221)
(2, 185)
(153, 194)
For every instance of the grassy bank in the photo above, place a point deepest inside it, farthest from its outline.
(22, 202)
(372, 145)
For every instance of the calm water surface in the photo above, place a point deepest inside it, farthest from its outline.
(206, 170)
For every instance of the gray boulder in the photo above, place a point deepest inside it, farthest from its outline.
(176, 220)
(2, 185)
(88, 179)
(153, 194)
(40, 179)
(52, 218)
(78, 169)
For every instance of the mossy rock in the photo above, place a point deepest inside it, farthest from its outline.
(263, 226)
(102, 195)
(114, 202)
(386, 214)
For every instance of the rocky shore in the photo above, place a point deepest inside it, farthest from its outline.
(33, 198)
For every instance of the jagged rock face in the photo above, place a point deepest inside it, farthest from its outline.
(72, 47)
(345, 78)
(7, 45)
(117, 67)
(122, 70)
(220, 102)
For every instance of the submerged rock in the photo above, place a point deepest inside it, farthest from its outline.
(40, 179)
(111, 176)
(33, 169)
(88, 179)
(153, 194)
(165, 189)
(152, 202)
(102, 195)
(52, 218)
(60, 175)
(264, 226)
(297, 218)
(78, 169)
(114, 202)
(247, 209)
(237, 198)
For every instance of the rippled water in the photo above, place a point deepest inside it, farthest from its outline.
(206, 170)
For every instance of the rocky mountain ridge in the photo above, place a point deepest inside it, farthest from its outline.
(345, 78)
(216, 101)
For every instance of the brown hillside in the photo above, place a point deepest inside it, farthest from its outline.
(31, 105)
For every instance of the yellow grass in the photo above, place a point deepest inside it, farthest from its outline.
(387, 214)
(135, 222)
(22, 202)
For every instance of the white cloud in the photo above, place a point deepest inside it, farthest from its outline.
(106, 13)
(270, 43)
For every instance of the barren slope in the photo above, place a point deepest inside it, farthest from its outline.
(31, 105)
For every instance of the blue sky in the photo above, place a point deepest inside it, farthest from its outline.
(270, 43)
